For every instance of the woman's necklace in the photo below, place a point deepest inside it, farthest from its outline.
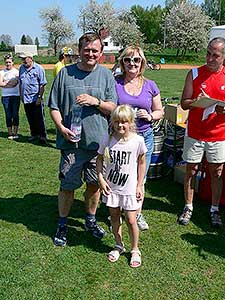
(133, 86)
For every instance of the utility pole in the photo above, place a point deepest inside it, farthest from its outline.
(164, 36)
(84, 25)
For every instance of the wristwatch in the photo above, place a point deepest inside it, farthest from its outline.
(99, 102)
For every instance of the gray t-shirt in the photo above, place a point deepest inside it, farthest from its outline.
(71, 82)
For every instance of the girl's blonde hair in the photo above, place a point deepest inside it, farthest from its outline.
(129, 51)
(123, 112)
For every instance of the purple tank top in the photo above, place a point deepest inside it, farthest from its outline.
(143, 100)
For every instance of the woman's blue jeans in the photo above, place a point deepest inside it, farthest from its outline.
(149, 143)
(11, 106)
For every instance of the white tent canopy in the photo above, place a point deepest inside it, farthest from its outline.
(217, 31)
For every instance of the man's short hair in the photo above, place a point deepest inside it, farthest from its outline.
(218, 40)
(89, 37)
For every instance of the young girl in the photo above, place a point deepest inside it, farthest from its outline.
(122, 186)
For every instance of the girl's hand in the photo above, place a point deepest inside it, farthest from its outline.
(106, 190)
(139, 193)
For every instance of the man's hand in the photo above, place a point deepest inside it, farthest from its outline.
(38, 101)
(67, 134)
(202, 94)
(86, 100)
(220, 110)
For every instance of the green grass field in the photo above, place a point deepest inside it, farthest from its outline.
(178, 262)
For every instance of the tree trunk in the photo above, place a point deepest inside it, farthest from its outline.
(55, 48)
(183, 52)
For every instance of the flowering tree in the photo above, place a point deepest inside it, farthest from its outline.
(93, 16)
(187, 27)
(56, 29)
(121, 23)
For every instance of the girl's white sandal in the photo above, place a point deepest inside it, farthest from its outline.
(114, 255)
(135, 260)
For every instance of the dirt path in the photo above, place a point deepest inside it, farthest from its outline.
(163, 66)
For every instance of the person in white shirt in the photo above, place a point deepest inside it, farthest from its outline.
(10, 96)
(122, 184)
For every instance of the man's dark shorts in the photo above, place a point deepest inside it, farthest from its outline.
(76, 166)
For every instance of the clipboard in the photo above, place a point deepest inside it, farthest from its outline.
(205, 102)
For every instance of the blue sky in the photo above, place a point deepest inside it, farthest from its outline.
(22, 17)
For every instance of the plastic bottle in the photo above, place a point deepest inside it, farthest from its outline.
(76, 122)
(135, 109)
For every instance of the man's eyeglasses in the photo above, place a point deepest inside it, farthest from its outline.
(134, 60)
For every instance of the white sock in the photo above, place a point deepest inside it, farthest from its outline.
(214, 208)
(190, 206)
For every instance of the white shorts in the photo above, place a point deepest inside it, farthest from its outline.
(127, 202)
(194, 150)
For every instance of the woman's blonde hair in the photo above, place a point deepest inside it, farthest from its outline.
(129, 51)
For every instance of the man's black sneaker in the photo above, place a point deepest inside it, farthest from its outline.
(96, 230)
(185, 217)
(60, 236)
(216, 219)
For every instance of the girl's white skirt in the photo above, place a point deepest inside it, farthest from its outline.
(127, 202)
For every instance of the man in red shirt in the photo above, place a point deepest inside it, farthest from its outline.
(205, 129)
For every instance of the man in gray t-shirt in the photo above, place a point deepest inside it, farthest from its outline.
(90, 86)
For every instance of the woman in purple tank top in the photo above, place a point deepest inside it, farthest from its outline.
(144, 96)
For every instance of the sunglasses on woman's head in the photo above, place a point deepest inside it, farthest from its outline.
(134, 60)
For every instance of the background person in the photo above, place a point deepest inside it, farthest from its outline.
(10, 96)
(65, 58)
(144, 96)
(116, 69)
(92, 87)
(32, 86)
(205, 134)
(122, 185)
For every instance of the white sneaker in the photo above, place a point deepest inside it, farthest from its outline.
(142, 224)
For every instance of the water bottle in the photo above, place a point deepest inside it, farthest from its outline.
(76, 121)
(135, 110)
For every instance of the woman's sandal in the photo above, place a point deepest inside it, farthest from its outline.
(115, 253)
(135, 260)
